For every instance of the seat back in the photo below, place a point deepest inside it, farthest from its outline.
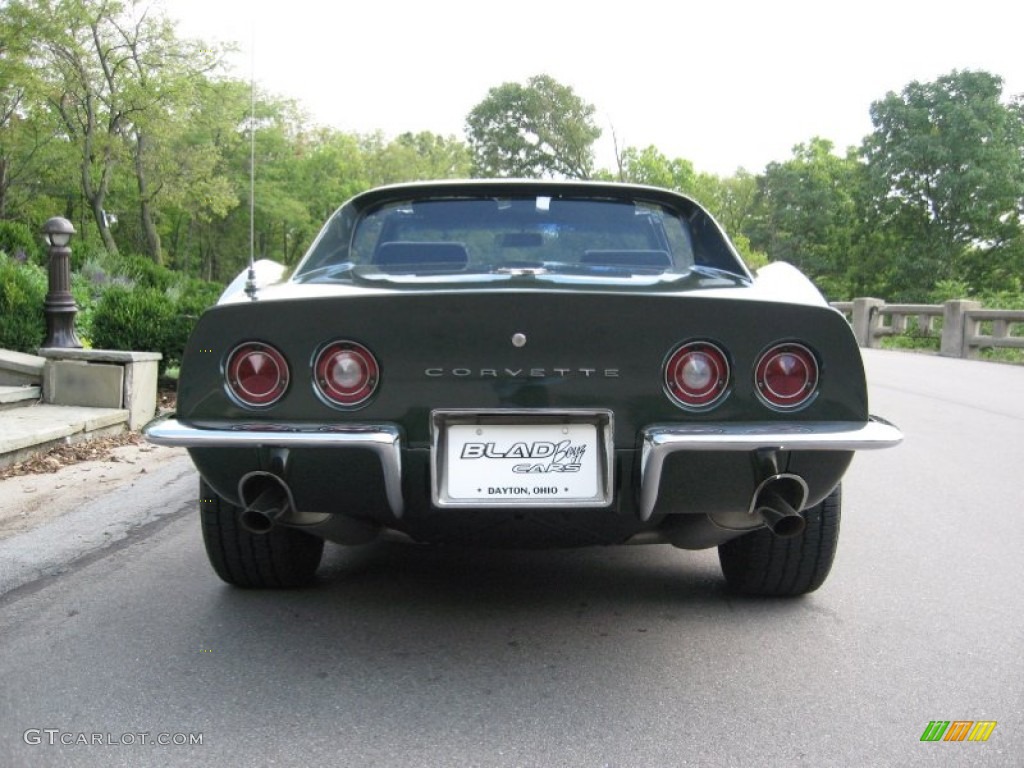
(413, 257)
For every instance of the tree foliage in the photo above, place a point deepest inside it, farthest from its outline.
(541, 129)
(415, 157)
(945, 165)
(809, 213)
(651, 166)
(115, 80)
(110, 118)
(730, 200)
(139, 137)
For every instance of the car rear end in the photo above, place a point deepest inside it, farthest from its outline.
(524, 365)
(520, 366)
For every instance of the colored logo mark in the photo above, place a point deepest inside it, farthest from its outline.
(958, 730)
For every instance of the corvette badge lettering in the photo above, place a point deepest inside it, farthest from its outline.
(522, 373)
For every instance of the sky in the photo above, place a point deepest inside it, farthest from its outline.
(725, 84)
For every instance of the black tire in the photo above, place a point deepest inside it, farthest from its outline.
(760, 563)
(282, 557)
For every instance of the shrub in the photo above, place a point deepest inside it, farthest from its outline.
(947, 290)
(1003, 300)
(139, 319)
(19, 242)
(86, 299)
(86, 247)
(148, 319)
(22, 291)
(143, 271)
(912, 341)
(195, 296)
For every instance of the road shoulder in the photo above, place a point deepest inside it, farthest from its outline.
(49, 520)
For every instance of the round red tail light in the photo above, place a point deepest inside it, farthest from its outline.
(697, 375)
(257, 374)
(346, 373)
(786, 376)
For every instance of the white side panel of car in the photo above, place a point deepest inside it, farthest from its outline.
(267, 273)
(780, 281)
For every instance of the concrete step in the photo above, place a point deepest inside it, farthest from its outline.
(17, 368)
(27, 431)
(14, 397)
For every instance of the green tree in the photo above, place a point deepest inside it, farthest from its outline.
(119, 85)
(651, 166)
(234, 129)
(161, 72)
(81, 67)
(199, 184)
(945, 164)
(15, 74)
(809, 214)
(730, 200)
(283, 221)
(415, 157)
(334, 168)
(532, 131)
(32, 156)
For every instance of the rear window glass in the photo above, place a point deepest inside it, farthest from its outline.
(475, 235)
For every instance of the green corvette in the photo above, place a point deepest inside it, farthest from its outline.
(523, 364)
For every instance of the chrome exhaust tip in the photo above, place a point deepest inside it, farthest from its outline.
(779, 500)
(265, 500)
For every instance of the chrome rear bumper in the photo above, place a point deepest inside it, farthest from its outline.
(383, 439)
(660, 440)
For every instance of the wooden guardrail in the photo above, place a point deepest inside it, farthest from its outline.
(963, 327)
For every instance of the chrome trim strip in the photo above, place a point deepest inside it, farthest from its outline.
(440, 419)
(383, 439)
(660, 440)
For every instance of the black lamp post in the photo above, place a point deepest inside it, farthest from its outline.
(59, 305)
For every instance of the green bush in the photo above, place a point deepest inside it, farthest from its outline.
(191, 298)
(139, 319)
(128, 318)
(919, 340)
(19, 242)
(912, 341)
(144, 272)
(86, 299)
(22, 291)
(194, 296)
(948, 290)
(86, 248)
(151, 320)
(1003, 300)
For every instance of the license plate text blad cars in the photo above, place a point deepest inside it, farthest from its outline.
(519, 462)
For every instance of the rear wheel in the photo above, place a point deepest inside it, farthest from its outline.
(760, 563)
(282, 557)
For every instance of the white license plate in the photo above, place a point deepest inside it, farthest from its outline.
(511, 464)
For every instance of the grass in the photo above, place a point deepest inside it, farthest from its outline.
(1013, 356)
(914, 341)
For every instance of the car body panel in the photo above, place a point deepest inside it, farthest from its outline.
(525, 344)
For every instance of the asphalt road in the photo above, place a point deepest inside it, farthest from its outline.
(638, 656)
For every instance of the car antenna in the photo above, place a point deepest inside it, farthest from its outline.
(250, 280)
